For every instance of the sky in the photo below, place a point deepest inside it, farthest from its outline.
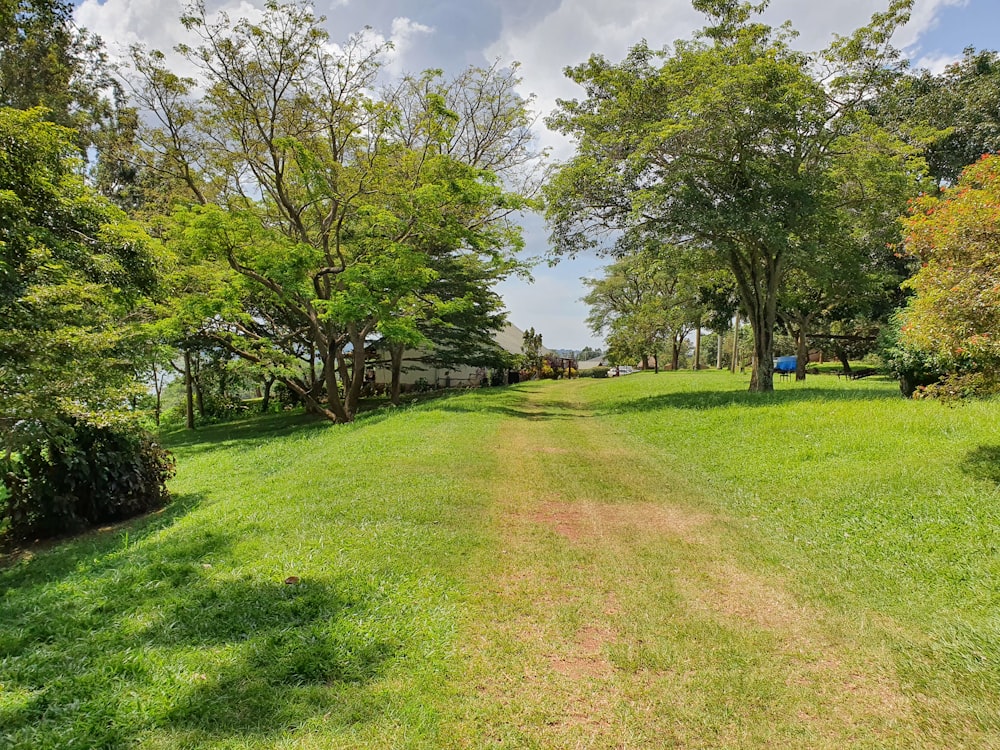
(546, 36)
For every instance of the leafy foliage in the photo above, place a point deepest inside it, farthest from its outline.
(955, 313)
(912, 367)
(955, 113)
(72, 271)
(87, 473)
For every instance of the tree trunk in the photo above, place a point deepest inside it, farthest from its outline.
(352, 388)
(188, 391)
(656, 364)
(842, 356)
(158, 389)
(307, 395)
(734, 364)
(265, 402)
(396, 363)
(801, 353)
(762, 321)
(199, 397)
(697, 346)
(334, 404)
(718, 350)
(675, 355)
(223, 381)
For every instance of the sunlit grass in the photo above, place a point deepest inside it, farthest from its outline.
(598, 563)
(180, 631)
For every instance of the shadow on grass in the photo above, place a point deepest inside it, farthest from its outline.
(43, 560)
(705, 399)
(555, 410)
(254, 429)
(508, 411)
(259, 427)
(109, 638)
(983, 462)
(285, 638)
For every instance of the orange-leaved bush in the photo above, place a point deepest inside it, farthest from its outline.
(956, 307)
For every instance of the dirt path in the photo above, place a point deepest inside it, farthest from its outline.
(612, 614)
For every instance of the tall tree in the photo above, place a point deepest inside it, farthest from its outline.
(308, 196)
(47, 61)
(723, 143)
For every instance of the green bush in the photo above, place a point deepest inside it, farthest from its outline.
(911, 367)
(595, 372)
(80, 473)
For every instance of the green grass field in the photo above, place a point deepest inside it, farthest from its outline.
(648, 561)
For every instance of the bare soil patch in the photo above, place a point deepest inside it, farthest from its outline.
(587, 521)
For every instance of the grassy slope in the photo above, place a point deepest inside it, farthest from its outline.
(181, 632)
(644, 561)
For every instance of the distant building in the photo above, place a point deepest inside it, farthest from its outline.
(418, 370)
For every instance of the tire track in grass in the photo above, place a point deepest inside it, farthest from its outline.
(610, 614)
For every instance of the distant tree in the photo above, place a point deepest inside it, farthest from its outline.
(531, 351)
(647, 303)
(954, 115)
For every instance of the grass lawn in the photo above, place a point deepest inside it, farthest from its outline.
(647, 561)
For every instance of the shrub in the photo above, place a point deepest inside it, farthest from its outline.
(80, 473)
(912, 367)
(595, 372)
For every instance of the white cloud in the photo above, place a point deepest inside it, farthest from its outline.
(578, 28)
(403, 32)
(568, 35)
(936, 64)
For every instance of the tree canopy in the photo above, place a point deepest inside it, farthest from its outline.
(724, 144)
(955, 311)
(331, 215)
